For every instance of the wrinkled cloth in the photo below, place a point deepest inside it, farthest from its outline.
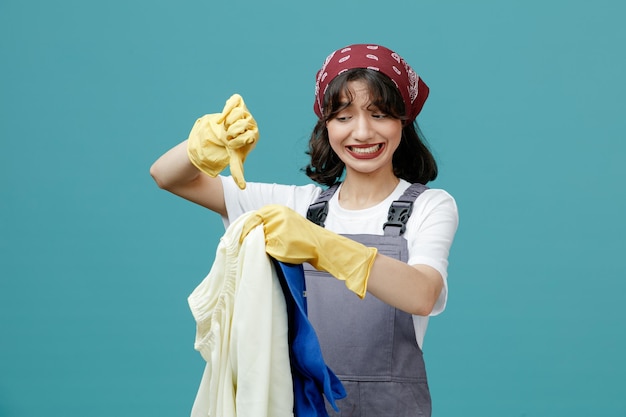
(242, 332)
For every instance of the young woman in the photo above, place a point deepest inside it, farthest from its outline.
(367, 149)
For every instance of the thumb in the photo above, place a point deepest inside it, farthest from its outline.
(236, 169)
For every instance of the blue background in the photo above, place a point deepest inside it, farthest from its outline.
(526, 118)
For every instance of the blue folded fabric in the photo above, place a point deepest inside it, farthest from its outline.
(312, 379)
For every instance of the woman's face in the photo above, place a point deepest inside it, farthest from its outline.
(363, 137)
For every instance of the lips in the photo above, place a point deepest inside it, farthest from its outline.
(365, 151)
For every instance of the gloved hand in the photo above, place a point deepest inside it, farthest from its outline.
(221, 139)
(291, 238)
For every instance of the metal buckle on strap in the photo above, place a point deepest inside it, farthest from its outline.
(399, 214)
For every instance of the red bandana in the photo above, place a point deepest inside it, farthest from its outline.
(413, 90)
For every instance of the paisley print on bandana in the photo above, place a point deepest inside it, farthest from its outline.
(378, 58)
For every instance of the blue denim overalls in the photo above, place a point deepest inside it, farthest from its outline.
(369, 345)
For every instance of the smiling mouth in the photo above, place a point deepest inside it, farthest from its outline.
(365, 150)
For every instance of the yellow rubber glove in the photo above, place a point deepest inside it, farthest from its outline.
(291, 238)
(221, 139)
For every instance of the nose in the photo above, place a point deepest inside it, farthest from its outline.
(362, 129)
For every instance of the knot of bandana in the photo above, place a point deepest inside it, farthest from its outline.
(378, 58)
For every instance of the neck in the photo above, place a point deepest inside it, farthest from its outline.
(361, 192)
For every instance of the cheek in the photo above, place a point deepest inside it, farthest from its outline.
(394, 134)
(335, 134)
(335, 145)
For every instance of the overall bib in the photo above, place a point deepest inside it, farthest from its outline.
(368, 344)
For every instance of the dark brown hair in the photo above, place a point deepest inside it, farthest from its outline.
(412, 161)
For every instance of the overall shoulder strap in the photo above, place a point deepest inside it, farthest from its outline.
(400, 210)
(318, 211)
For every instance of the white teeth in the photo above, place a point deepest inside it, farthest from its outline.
(371, 149)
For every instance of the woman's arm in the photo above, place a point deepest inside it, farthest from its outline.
(416, 287)
(291, 238)
(410, 288)
(175, 173)
(215, 141)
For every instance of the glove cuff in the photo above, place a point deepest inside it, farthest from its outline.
(204, 163)
(357, 281)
